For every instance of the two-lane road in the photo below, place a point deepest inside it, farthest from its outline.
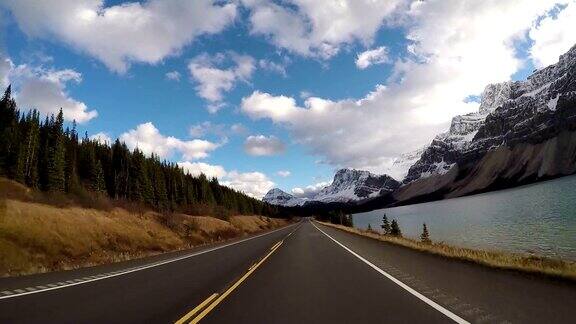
(304, 273)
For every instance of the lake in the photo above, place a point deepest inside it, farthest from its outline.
(538, 219)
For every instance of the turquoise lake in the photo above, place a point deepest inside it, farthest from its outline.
(536, 219)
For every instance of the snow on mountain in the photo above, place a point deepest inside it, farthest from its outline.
(279, 197)
(509, 112)
(400, 166)
(348, 185)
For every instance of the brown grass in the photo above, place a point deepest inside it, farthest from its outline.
(495, 259)
(37, 237)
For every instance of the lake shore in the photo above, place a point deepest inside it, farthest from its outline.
(495, 259)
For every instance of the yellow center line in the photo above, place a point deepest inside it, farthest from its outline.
(234, 286)
(196, 309)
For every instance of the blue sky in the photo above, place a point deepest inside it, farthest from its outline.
(286, 74)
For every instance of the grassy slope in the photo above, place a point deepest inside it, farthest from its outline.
(530, 264)
(37, 237)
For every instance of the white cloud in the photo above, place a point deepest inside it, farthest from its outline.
(448, 63)
(6, 66)
(260, 145)
(213, 81)
(102, 138)
(318, 28)
(283, 173)
(255, 184)
(553, 36)
(130, 32)
(36, 87)
(147, 138)
(173, 76)
(305, 94)
(197, 168)
(272, 66)
(309, 191)
(378, 55)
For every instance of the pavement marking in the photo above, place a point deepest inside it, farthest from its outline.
(70, 283)
(196, 309)
(228, 291)
(418, 295)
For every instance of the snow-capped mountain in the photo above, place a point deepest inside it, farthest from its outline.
(400, 166)
(524, 131)
(279, 197)
(348, 185)
(352, 185)
(442, 153)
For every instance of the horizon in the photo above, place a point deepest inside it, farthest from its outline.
(234, 95)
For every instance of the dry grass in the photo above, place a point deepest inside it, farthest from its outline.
(37, 237)
(510, 261)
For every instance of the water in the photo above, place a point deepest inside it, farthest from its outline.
(538, 219)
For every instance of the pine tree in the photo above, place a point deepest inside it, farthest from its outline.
(369, 229)
(395, 229)
(55, 180)
(385, 225)
(42, 155)
(425, 236)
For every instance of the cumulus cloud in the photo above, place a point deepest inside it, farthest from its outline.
(447, 64)
(254, 184)
(553, 36)
(147, 138)
(378, 55)
(102, 138)
(260, 145)
(120, 34)
(173, 76)
(318, 28)
(283, 173)
(213, 81)
(197, 168)
(37, 87)
(310, 191)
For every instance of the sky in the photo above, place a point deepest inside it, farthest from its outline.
(264, 94)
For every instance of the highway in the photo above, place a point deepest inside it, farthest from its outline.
(303, 273)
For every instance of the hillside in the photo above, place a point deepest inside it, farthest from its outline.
(38, 237)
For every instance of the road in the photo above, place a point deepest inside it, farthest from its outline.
(304, 273)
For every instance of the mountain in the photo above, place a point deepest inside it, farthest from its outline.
(348, 186)
(524, 131)
(353, 185)
(279, 197)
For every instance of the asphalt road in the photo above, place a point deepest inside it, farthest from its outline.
(300, 274)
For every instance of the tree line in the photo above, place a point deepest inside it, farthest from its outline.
(44, 155)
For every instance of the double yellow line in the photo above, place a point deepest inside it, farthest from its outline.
(211, 302)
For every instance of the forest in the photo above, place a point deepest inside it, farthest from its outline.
(45, 155)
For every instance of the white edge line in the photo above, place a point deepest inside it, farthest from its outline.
(116, 274)
(423, 298)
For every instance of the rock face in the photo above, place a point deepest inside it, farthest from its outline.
(352, 185)
(524, 130)
(348, 186)
(279, 197)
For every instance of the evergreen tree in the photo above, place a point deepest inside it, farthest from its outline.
(385, 225)
(425, 236)
(395, 229)
(369, 228)
(42, 155)
(55, 178)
